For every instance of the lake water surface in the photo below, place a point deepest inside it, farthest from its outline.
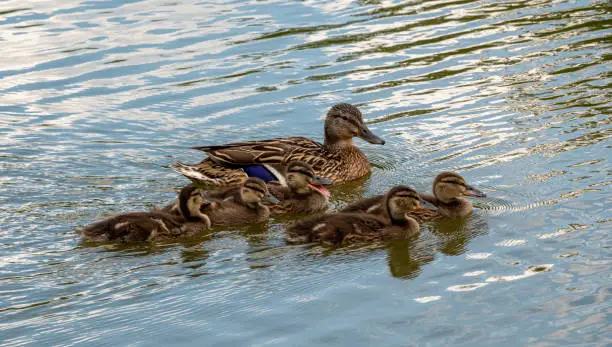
(98, 98)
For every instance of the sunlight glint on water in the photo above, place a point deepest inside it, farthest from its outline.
(98, 98)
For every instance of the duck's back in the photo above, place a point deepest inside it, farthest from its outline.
(229, 212)
(374, 205)
(133, 227)
(337, 228)
(271, 151)
(339, 164)
(371, 205)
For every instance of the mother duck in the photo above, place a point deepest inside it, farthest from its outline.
(337, 159)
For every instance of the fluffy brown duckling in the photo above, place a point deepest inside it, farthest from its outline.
(244, 207)
(448, 188)
(342, 228)
(147, 226)
(303, 193)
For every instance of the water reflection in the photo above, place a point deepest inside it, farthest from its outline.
(98, 98)
(406, 257)
(455, 235)
(448, 237)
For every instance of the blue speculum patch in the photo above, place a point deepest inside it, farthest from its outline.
(260, 172)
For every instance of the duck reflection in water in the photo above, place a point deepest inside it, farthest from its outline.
(449, 237)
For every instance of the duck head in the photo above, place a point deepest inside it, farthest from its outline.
(449, 186)
(401, 200)
(345, 121)
(302, 180)
(190, 204)
(254, 191)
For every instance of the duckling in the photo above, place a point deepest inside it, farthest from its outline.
(244, 207)
(448, 187)
(341, 228)
(337, 158)
(147, 226)
(304, 192)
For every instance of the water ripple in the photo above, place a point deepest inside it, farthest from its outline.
(98, 98)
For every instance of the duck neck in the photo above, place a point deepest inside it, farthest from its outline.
(449, 201)
(411, 224)
(335, 143)
(249, 204)
(394, 218)
(301, 191)
(187, 213)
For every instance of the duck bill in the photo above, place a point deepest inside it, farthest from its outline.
(205, 205)
(427, 205)
(471, 191)
(367, 135)
(319, 188)
(272, 199)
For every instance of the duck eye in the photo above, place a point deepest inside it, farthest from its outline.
(455, 182)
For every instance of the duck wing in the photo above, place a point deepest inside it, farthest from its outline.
(261, 152)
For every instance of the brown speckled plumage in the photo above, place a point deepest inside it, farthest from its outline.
(228, 206)
(448, 187)
(342, 228)
(147, 226)
(337, 158)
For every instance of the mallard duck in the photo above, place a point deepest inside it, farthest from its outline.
(146, 226)
(341, 228)
(337, 159)
(448, 187)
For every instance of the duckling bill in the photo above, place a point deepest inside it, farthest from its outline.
(342, 228)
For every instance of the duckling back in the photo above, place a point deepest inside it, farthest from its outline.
(374, 205)
(231, 212)
(339, 228)
(134, 227)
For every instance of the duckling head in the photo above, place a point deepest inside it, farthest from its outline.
(449, 186)
(190, 204)
(345, 121)
(254, 191)
(301, 179)
(401, 200)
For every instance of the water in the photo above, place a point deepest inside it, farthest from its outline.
(98, 98)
